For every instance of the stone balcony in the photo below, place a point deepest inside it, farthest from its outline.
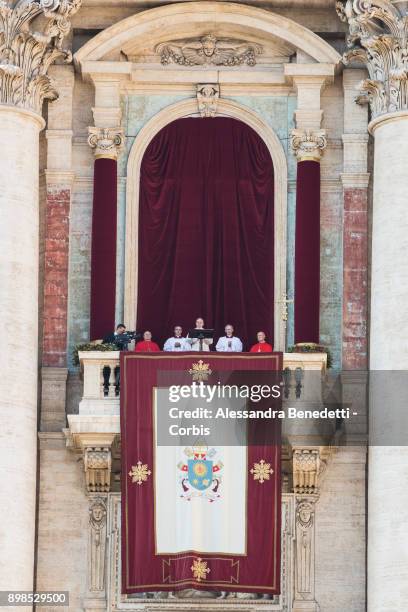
(95, 431)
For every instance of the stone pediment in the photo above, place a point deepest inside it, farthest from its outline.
(137, 38)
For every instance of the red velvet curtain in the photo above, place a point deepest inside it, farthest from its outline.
(103, 249)
(206, 228)
(307, 252)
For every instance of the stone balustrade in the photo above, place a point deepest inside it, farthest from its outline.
(94, 399)
(98, 400)
(95, 430)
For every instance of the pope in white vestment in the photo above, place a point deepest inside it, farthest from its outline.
(229, 342)
(194, 343)
(177, 342)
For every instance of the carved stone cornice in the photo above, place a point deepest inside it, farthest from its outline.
(208, 50)
(207, 98)
(308, 144)
(25, 56)
(106, 142)
(95, 438)
(378, 37)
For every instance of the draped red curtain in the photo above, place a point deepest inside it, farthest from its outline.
(103, 249)
(307, 252)
(206, 229)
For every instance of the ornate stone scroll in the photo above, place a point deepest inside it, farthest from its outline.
(207, 98)
(97, 466)
(309, 464)
(106, 142)
(25, 56)
(97, 543)
(207, 50)
(305, 555)
(308, 144)
(307, 467)
(378, 37)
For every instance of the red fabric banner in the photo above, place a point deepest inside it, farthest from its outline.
(257, 568)
(307, 252)
(103, 249)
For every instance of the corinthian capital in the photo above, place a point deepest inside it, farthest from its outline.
(378, 37)
(106, 142)
(308, 144)
(25, 56)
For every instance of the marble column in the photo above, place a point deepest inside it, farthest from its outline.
(59, 183)
(307, 146)
(24, 84)
(355, 180)
(106, 143)
(378, 38)
(19, 221)
(308, 143)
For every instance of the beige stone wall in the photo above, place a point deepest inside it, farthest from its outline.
(340, 533)
(63, 528)
(62, 522)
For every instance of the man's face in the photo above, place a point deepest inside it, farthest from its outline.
(121, 330)
(97, 513)
(229, 330)
(177, 331)
(261, 336)
(200, 323)
(147, 335)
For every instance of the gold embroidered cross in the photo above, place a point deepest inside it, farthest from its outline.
(139, 472)
(261, 471)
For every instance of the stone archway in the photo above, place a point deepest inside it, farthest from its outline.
(188, 108)
(123, 59)
(184, 19)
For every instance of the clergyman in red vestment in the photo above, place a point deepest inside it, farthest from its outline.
(261, 346)
(147, 345)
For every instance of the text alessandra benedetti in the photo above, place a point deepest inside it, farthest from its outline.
(289, 413)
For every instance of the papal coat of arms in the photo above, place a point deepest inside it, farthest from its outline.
(200, 476)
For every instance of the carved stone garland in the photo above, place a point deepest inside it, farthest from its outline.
(378, 37)
(25, 56)
(207, 50)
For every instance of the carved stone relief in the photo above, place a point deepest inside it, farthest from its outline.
(97, 543)
(378, 37)
(207, 98)
(208, 50)
(106, 142)
(308, 144)
(26, 55)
